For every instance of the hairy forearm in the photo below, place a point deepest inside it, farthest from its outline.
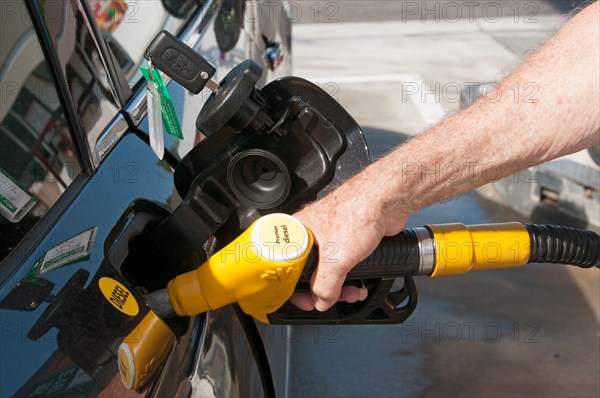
(505, 131)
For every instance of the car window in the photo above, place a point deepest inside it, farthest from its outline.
(129, 26)
(38, 160)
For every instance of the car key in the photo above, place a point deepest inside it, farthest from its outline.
(181, 63)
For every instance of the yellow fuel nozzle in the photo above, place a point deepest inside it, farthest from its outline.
(144, 350)
(258, 270)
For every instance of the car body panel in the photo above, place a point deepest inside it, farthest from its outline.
(131, 171)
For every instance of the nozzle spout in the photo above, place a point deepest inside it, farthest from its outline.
(160, 302)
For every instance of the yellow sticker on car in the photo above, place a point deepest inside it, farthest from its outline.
(119, 296)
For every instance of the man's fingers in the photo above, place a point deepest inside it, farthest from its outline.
(352, 294)
(326, 287)
(303, 300)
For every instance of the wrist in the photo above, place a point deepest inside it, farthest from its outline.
(392, 192)
(382, 190)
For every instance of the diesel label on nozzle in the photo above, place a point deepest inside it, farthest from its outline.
(286, 234)
(280, 237)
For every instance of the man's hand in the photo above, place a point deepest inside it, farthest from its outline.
(347, 225)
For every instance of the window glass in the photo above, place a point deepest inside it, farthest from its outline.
(38, 160)
(130, 26)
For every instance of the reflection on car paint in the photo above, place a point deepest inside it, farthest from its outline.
(90, 327)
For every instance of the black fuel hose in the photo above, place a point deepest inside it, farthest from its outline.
(563, 245)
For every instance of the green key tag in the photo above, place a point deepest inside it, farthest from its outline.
(169, 116)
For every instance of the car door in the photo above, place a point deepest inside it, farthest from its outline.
(75, 163)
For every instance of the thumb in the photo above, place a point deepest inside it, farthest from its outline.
(326, 285)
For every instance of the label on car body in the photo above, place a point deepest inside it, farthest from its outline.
(118, 296)
(15, 202)
(70, 251)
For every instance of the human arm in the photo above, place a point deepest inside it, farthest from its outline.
(492, 139)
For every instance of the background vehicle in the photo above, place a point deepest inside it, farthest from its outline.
(74, 155)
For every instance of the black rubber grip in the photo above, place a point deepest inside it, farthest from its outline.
(395, 256)
(562, 245)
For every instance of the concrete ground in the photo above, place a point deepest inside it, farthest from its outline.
(398, 67)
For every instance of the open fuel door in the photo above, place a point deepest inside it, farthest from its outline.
(268, 150)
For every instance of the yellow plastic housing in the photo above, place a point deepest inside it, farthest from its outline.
(461, 248)
(144, 350)
(259, 270)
